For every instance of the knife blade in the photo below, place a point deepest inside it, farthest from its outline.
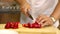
(30, 16)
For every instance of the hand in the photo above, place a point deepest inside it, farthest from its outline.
(44, 20)
(25, 8)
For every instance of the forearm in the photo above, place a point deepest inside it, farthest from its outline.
(56, 13)
(21, 2)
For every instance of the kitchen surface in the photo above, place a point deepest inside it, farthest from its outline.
(23, 30)
(10, 12)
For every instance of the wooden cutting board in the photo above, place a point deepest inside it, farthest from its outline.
(23, 30)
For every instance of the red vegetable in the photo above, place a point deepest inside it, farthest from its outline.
(32, 25)
(7, 26)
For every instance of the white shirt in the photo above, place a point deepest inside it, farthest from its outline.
(39, 7)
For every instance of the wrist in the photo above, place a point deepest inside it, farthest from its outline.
(53, 19)
(21, 2)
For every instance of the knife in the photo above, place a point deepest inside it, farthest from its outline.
(30, 15)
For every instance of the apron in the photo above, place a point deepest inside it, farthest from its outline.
(39, 7)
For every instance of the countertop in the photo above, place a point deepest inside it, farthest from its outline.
(23, 30)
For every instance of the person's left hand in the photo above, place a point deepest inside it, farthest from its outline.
(44, 20)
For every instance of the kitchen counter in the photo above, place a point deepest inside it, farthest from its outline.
(23, 30)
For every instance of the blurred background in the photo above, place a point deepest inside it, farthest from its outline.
(9, 15)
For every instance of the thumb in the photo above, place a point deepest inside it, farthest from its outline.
(27, 12)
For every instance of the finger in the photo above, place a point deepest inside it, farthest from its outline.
(42, 21)
(26, 12)
(45, 24)
(29, 10)
(23, 9)
(39, 19)
(50, 23)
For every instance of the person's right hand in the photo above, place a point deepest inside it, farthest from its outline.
(25, 8)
